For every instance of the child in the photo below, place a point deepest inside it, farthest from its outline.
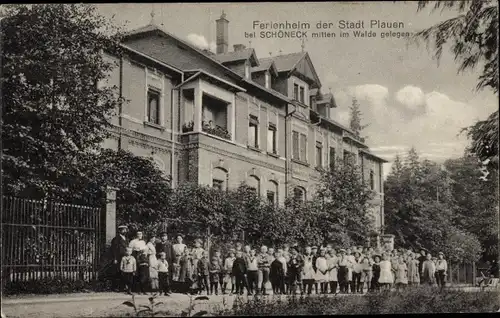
(401, 274)
(128, 267)
(143, 271)
(252, 273)
(217, 254)
(356, 286)
(282, 260)
(294, 271)
(263, 263)
(386, 278)
(203, 273)
(332, 270)
(374, 284)
(214, 273)
(228, 275)
(308, 272)
(322, 271)
(162, 267)
(277, 275)
(238, 271)
(366, 273)
(413, 274)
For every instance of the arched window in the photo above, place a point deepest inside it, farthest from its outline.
(299, 194)
(219, 178)
(253, 183)
(272, 192)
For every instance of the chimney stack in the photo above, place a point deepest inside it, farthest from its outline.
(222, 39)
(239, 47)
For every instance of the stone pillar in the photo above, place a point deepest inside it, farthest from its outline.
(110, 224)
(198, 108)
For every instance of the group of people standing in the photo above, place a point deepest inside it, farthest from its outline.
(162, 266)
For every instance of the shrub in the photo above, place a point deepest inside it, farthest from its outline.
(421, 300)
(54, 285)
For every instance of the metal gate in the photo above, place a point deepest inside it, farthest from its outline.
(43, 239)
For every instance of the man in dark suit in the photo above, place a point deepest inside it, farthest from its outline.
(421, 260)
(165, 246)
(119, 245)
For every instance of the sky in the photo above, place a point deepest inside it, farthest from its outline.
(407, 98)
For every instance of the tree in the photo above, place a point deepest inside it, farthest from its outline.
(54, 111)
(343, 204)
(473, 35)
(475, 200)
(355, 118)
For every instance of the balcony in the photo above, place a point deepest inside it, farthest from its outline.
(216, 130)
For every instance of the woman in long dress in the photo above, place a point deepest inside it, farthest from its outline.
(386, 277)
(153, 262)
(322, 270)
(332, 271)
(413, 274)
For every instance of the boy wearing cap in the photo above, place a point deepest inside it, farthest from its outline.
(239, 271)
(163, 275)
(214, 274)
(128, 268)
(118, 249)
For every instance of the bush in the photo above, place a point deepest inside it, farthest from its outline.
(421, 300)
(55, 285)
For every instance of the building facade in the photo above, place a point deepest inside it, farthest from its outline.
(230, 118)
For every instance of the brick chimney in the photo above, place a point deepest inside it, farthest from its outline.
(221, 29)
(239, 47)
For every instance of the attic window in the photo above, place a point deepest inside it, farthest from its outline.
(247, 70)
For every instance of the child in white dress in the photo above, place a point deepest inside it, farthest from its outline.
(386, 277)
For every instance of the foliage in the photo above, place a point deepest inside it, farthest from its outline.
(473, 35)
(355, 119)
(475, 200)
(147, 310)
(52, 285)
(484, 140)
(54, 111)
(343, 202)
(421, 208)
(420, 300)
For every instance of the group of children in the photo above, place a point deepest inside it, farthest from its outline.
(288, 270)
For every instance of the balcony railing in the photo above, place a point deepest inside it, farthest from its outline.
(216, 130)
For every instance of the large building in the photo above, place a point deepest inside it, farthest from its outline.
(230, 118)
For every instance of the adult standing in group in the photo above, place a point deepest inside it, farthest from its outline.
(441, 269)
(428, 271)
(137, 245)
(119, 246)
(165, 246)
(421, 259)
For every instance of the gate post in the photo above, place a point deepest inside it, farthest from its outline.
(110, 224)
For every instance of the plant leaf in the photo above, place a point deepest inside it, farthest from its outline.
(159, 303)
(144, 306)
(201, 298)
(128, 303)
(142, 311)
(200, 313)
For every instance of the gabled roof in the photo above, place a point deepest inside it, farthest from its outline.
(241, 55)
(327, 99)
(264, 66)
(194, 74)
(288, 63)
(151, 28)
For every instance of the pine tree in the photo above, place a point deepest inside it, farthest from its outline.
(412, 162)
(356, 116)
(397, 166)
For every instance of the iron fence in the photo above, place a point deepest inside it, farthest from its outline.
(44, 239)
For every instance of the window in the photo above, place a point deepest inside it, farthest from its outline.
(372, 180)
(271, 197)
(253, 184)
(247, 70)
(218, 184)
(319, 155)
(332, 158)
(296, 91)
(302, 97)
(295, 145)
(303, 147)
(253, 130)
(268, 80)
(271, 139)
(153, 107)
(299, 194)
